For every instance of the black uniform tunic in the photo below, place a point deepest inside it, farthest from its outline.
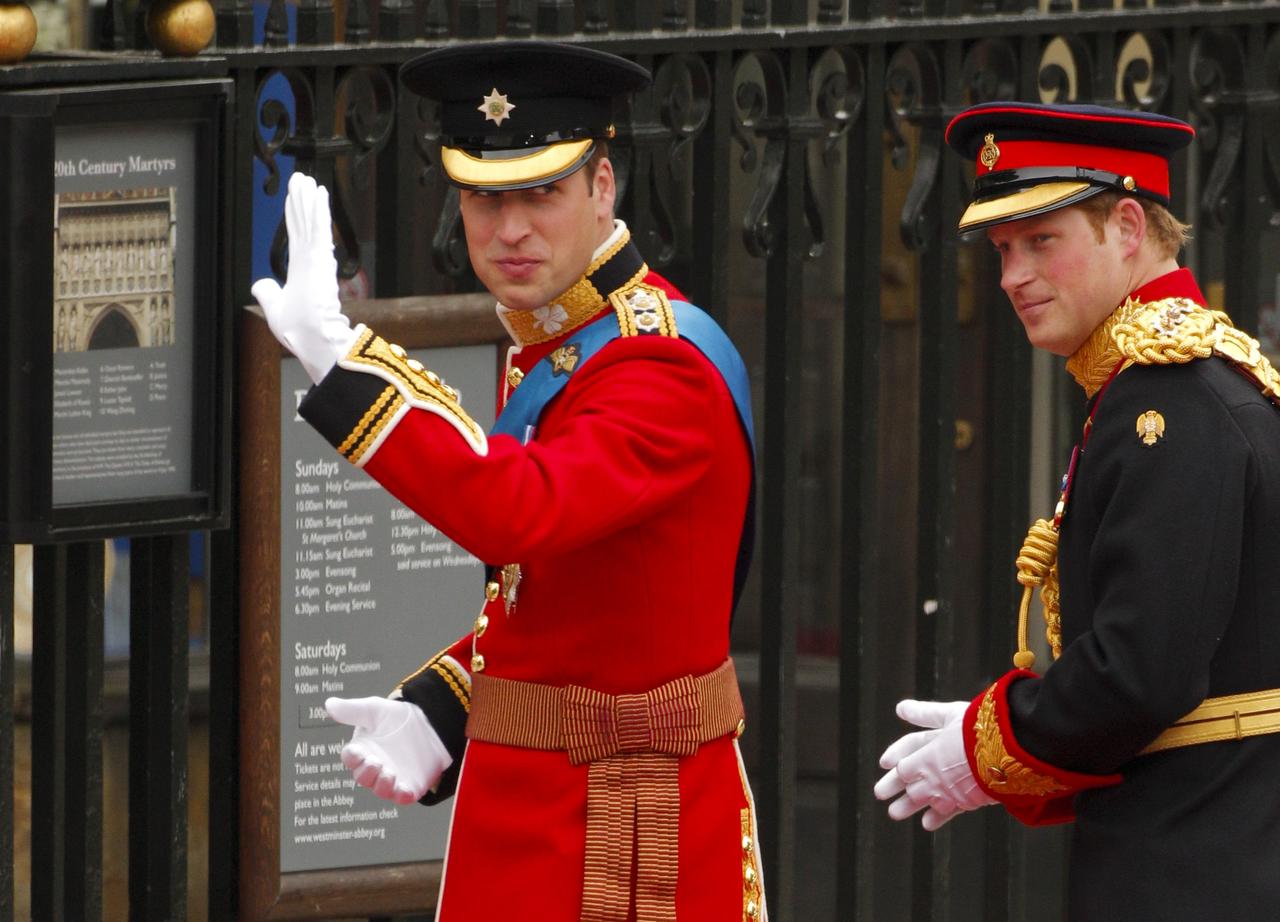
(1169, 562)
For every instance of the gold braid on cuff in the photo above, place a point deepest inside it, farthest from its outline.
(997, 769)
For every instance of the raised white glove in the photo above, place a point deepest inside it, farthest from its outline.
(395, 752)
(305, 315)
(928, 768)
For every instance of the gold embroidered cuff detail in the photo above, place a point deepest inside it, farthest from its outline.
(456, 679)
(371, 425)
(997, 769)
(417, 387)
(454, 675)
(643, 310)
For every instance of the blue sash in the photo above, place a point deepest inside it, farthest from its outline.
(542, 383)
(519, 418)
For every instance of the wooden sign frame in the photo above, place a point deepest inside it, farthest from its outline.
(266, 892)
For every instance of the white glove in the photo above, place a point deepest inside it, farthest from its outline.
(395, 752)
(306, 315)
(928, 767)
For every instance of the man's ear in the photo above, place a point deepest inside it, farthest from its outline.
(604, 189)
(1131, 223)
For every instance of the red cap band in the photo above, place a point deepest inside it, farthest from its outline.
(1149, 171)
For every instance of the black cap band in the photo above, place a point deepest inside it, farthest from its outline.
(1002, 182)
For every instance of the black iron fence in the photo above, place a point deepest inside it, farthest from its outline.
(787, 170)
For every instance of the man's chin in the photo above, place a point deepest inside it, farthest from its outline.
(1046, 341)
(517, 303)
(519, 297)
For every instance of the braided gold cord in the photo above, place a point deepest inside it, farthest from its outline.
(1036, 562)
(1177, 330)
(1039, 551)
(1173, 331)
(1052, 611)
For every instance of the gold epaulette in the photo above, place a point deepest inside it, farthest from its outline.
(411, 385)
(643, 310)
(1178, 330)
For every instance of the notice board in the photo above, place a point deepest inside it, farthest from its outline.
(344, 591)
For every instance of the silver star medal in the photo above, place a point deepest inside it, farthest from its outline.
(495, 107)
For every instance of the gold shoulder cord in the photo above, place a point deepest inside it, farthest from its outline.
(1037, 565)
(1164, 332)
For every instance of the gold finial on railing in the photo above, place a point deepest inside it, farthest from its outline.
(17, 32)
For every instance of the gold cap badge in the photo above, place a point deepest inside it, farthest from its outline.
(496, 107)
(1150, 427)
(990, 154)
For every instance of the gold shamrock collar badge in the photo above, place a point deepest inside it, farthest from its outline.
(496, 107)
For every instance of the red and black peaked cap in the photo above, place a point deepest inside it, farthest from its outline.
(518, 114)
(1034, 158)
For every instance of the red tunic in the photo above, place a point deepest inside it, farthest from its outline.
(624, 513)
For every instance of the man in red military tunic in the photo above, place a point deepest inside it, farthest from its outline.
(589, 720)
(1154, 730)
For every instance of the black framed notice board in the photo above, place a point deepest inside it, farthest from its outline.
(113, 309)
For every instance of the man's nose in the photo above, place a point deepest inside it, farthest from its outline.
(1014, 272)
(513, 223)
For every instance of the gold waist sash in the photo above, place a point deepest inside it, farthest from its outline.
(632, 744)
(1231, 717)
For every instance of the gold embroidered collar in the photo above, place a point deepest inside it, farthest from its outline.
(1091, 365)
(619, 264)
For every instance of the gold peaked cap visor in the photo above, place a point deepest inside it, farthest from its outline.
(515, 169)
(1023, 203)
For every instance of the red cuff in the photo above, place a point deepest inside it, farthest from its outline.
(1032, 790)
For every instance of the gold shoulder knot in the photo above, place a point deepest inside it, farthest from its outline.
(1168, 331)
(1177, 330)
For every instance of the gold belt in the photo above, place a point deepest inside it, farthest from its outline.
(633, 744)
(1231, 717)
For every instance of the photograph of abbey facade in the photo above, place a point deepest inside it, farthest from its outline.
(113, 281)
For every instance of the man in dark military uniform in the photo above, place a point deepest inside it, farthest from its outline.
(1155, 728)
(594, 699)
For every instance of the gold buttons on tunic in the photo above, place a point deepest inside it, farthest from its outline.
(747, 844)
(753, 909)
(415, 365)
(477, 662)
(397, 351)
(749, 872)
(482, 624)
(740, 729)
(514, 377)
(491, 590)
